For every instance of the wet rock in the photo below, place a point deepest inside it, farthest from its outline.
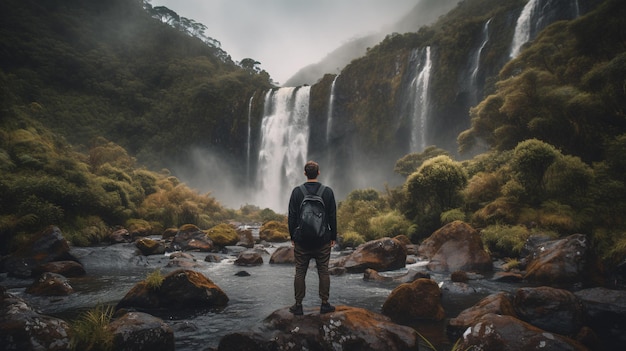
(384, 254)
(249, 258)
(139, 331)
(68, 269)
(242, 274)
(499, 303)
(179, 289)
(493, 332)
(456, 246)
(191, 238)
(213, 258)
(554, 310)
(21, 328)
(459, 277)
(50, 284)
(149, 246)
(120, 236)
(283, 254)
(558, 261)
(418, 300)
(507, 277)
(48, 245)
(411, 275)
(337, 270)
(605, 311)
(458, 288)
(348, 328)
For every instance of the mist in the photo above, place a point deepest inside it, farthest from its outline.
(287, 35)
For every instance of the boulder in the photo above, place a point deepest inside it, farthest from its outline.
(68, 269)
(558, 261)
(149, 247)
(190, 238)
(493, 332)
(499, 303)
(348, 328)
(384, 254)
(418, 300)
(455, 246)
(50, 284)
(180, 289)
(140, 331)
(283, 254)
(21, 328)
(120, 236)
(249, 258)
(551, 309)
(47, 246)
(605, 312)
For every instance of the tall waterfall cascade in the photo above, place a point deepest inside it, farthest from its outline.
(248, 140)
(476, 62)
(538, 14)
(331, 100)
(420, 108)
(283, 146)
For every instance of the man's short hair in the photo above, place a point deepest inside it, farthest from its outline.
(311, 169)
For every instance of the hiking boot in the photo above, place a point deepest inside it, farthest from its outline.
(296, 310)
(326, 308)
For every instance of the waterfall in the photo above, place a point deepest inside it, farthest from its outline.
(538, 14)
(248, 142)
(331, 100)
(476, 62)
(523, 27)
(420, 102)
(283, 147)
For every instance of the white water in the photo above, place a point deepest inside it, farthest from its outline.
(248, 140)
(331, 102)
(523, 27)
(476, 61)
(284, 146)
(420, 102)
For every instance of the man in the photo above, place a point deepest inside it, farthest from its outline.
(321, 253)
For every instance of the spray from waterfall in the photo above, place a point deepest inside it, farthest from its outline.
(420, 101)
(283, 146)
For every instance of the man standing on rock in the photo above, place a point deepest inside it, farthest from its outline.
(308, 243)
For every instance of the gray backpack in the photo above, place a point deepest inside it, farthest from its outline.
(312, 230)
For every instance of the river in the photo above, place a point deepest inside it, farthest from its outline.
(113, 270)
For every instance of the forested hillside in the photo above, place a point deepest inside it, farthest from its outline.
(116, 70)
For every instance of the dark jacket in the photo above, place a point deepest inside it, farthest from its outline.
(329, 204)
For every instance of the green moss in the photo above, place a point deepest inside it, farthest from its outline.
(223, 235)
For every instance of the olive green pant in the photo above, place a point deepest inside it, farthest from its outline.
(302, 258)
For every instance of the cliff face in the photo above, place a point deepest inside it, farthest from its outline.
(376, 97)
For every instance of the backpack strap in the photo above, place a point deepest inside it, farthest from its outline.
(321, 189)
(303, 190)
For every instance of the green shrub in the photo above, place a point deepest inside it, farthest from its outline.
(387, 224)
(452, 215)
(154, 280)
(350, 239)
(506, 240)
(90, 331)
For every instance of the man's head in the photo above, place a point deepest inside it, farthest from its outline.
(311, 170)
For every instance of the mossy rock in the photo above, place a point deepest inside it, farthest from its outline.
(274, 231)
(223, 235)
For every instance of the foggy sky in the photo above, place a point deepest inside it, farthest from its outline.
(286, 35)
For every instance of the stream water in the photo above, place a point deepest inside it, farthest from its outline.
(113, 270)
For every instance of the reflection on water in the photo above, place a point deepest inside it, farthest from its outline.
(114, 270)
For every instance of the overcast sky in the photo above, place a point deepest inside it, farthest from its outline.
(286, 35)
